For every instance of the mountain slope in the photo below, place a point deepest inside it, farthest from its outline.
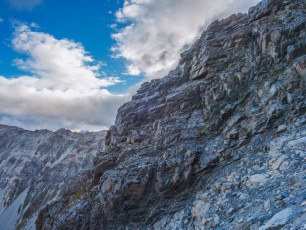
(38, 167)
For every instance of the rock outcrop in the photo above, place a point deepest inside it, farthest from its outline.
(206, 147)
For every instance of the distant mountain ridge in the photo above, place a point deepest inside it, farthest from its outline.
(37, 166)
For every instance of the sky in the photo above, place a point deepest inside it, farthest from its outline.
(72, 63)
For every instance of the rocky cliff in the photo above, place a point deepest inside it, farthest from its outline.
(213, 145)
(39, 167)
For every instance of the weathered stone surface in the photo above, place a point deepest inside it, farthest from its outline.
(258, 179)
(278, 220)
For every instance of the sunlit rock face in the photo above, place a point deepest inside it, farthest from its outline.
(205, 147)
(38, 167)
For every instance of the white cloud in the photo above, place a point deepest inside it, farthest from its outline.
(24, 4)
(159, 30)
(130, 11)
(65, 86)
(61, 64)
(1, 20)
(133, 70)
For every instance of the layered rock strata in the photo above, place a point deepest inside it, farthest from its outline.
(199, 148)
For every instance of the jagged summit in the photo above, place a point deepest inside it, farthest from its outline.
(191, 150)
(9, 127)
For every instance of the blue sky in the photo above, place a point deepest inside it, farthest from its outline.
(87, 22)
(72, 63)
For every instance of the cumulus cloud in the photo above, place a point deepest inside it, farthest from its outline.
(65, 86)
(24, 4)
(157, 31)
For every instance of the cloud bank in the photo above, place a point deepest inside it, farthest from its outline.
(65, 87)
(157, 31)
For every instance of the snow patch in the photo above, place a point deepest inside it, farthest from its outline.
(10, 217)
(2, 199)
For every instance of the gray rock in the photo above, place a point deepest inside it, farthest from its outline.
(278, 220)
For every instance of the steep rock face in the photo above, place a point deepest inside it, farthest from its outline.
(207, 147)
(39, 167)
